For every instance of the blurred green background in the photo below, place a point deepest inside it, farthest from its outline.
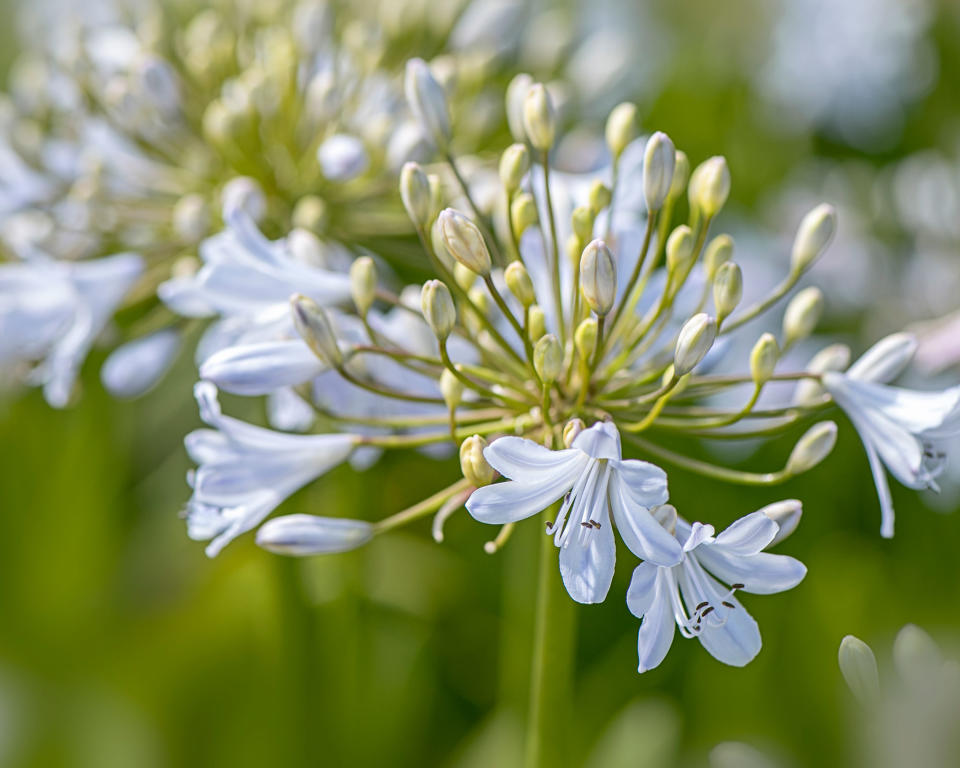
(121, 644)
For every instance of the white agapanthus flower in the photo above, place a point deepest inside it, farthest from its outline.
(601, 487)
(245, 471)
(901, 429)
(690, 596)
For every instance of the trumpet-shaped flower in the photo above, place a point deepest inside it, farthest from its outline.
(598, 483)
(901, 429)
(690, 596)
(245, 471)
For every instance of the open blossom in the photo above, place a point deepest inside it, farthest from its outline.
(690, 596)
(597, 482)
(901, 429)
(245, 471)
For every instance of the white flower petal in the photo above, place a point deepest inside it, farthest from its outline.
(509, 501)
(642, 589)
(643, 535)
(746, 536)
(762, 573)
(645, 483)
(136, 366)
(587, 563)
(697, 534)
(257, 369)
(301, 535)
(882, 485)
(886, 359)
(737, 640)
(522, 459)
(601, 441)
(658, 626)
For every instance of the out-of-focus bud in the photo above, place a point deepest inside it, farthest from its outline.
(191, 218)
(585, 338)
(548, 358)
(917, 658)
(464, 277)
(598, 277)
(416, 195)
(599, 196)
(786, 514)
(710, 186)
(480, 300)
(718, 252)
(519, 282)
(303, 535)
(363, 284)
(835, 357)
(582, 219)
(439, 246)
(244, 193)
(659, 159)
(802, 315)
(523, 213)
(306, 248)
(342, 157)
(427, 101)
(727, 290)
(571, 429)
(539, 118)
(438, 308)
(681, 173)
(464, 241)
(859, 668)
(621, 128)
(313, 325)
(537, 323)
(451, 388)
(694, 341)
(436, 193)
(680, 250)
(573, 247)
(813, 236)
(763, 359)
(514, 163)
(666, 515)
(310, 213)
(516, 96)
(812, 448)
(472, 463)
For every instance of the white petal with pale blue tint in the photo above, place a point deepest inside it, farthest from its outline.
(136, 366)
(301, 535)
(260, 368)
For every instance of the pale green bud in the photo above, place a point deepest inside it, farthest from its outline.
(472, 463)
(680, 250)
(436, 194)
(480, 300)
(363, 284)
(835, 357)
(548, 358)
(598, 277)
(659, 159)
(599, 197)
(582, 219)
(694, 341)
(539, 118)
(438, 309)
(519, 282)
(514, 163)
(585, 338)
(464, 277)
(310, 213)
(523, 213)
(859, 668)
(802, 315)
(191, 218)
(718, 252)
(710, 186)
(786, 514)
(571, 429)
(573, 247)
(813, 236)
(812, 448)
(727, 290)
(416, 194)
(917, 658)
(516, 96)
(681, 173)
(451, 388)
(313, 325)
(763, 359)
(427, 101)
(464, 241)
(537, 323)
(621, 128)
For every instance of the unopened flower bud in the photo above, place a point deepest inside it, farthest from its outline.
(802, 315)
(539, 119)
(694, 341)
(306, 248)
(585, 338)
(858, 666)
(835, 357)
(191, 218)
(621, 128)
(598, 277)
(536, 323)
(427, 101)
(680, 250)
(416, 194)
(474, 466)
(718, 252)
(514, 163)
(573, 247)
(310, 213)
(763, 359)
(480, 300)
(812, 448)
(548, 358)
(582, 220)
(302, 535)
(727, 290)
(666, 515)
(313, 325)
(519, 282)
(244, 193)
(710, 186)
(659, 159)
(681, 173)
(599, 196)
(363, 284)
(571, 429)
(464, 277)
(516, 96)
(464, 241)
(813, 236)
(523, 214)
(451, 388)
(786, 514)
(438, 309)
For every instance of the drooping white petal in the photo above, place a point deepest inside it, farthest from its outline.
(917, 412)
(900, 451)
(260, 368)
(645, 483)
(761, 573)
(587, 563)
(643, 535)
(642, 589)
(886, 359)
(301, 535)
(601, 441)
(658, 626)
(882, 485)
(747, 536)
(509, 501)
(522, 459)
